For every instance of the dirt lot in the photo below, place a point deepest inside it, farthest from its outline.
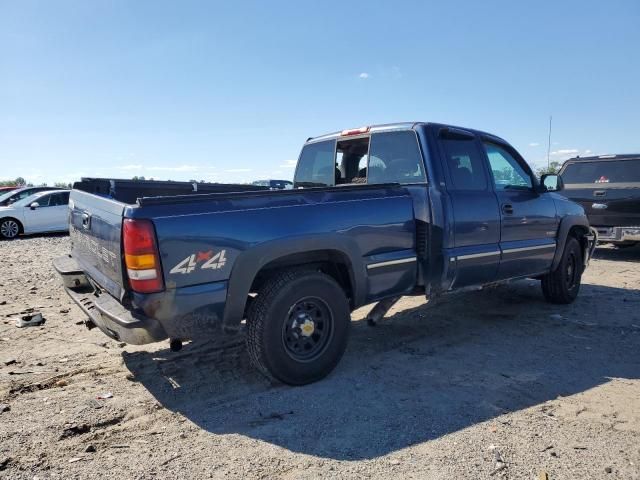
(492, 384)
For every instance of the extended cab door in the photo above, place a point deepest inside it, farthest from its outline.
(475, 252)
(528, 218)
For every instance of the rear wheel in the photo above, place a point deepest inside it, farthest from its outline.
(298, 326)
(9, 228)
(563, 284)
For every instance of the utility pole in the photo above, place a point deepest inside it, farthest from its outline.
(549, 144)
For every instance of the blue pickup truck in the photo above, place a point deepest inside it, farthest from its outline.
(375, 213)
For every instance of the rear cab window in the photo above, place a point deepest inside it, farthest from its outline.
(395, 158)
(378, 158)
(602, 173)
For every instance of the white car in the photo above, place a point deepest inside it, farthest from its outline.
(41, 212)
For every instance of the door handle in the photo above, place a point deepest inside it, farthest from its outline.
(599, 193)
(507, 208)
(86, 221)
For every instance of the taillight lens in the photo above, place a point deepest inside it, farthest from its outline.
(141, 256)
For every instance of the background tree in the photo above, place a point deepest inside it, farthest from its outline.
(554, 167)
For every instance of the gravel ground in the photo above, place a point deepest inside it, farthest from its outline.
(490, 384)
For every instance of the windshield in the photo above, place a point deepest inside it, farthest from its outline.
(23, 202)
(6, 195)
(603, 172)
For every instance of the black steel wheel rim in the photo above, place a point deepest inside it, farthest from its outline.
(571, 271)
(307, 329)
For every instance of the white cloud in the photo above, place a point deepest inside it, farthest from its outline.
(565, 152)
(238, 170)
(130, 167)
(363, 75)
(534, 144)
(587, 152)
(289, 164)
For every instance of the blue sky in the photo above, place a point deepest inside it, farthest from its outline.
(229, 91)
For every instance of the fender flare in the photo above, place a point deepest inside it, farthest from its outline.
(250, 262)
(566, 224)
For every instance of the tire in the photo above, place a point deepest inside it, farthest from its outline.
(562, 285)
(10, 228)
(298, 326)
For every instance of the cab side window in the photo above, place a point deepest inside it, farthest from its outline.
(465, 164)
(316, 166)
(508, 174)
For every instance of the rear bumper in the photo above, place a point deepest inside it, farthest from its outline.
(104, 311)
(618, 234)
(185, 313)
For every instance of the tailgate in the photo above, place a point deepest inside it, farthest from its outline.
(607, 187)
(95, 229)
(607, 205)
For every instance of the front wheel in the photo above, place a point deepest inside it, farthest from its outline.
(9, 228)
(563, 284)
(298, 326)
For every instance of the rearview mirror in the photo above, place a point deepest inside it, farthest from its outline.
(552, 182)
(34, 205)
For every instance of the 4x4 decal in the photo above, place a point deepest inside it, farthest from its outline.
(193, 261)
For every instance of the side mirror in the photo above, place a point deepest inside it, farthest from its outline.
(552, 182)
(34, 205)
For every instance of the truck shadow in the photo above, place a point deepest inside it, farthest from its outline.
(36, 235)
(420, 374)
(628, 254)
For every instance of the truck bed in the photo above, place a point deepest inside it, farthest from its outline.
(129, 191)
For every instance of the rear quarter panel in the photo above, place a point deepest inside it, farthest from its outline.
(374, 222)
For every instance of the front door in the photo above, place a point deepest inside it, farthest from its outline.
(528, 218)
(476, 218)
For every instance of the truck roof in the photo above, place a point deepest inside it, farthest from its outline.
(604, 158)
(385, 127)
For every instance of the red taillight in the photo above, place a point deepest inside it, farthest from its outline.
(354, 131)
(141, 256)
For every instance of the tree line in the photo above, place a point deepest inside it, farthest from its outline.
(21, 182)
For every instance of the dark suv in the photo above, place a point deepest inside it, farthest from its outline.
(608, 187)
